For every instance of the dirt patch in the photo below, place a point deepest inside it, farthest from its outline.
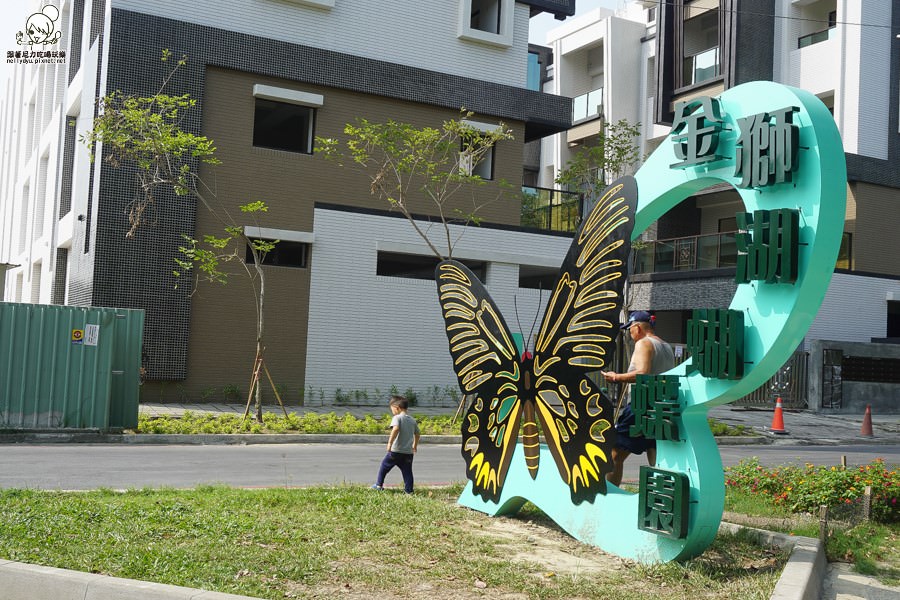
(548, 551)
(543, 551)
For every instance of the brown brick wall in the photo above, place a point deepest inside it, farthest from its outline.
(222, 346)
(871, 211)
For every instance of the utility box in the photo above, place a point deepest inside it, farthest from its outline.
(69, 367)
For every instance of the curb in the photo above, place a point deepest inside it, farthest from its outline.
(805, 570)
(21, 581)
(175, 439)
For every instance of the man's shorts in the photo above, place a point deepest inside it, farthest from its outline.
(635, 445)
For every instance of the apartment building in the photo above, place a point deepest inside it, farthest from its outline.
(350, 308)
(843, 51)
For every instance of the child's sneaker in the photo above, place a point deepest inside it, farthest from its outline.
(377, 487)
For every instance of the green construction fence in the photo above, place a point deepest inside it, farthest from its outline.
(69, 367)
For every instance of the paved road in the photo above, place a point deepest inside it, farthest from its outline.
(90, 466)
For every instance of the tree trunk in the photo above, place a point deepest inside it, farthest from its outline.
(260, 348)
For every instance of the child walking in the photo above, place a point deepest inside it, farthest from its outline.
(401, 446)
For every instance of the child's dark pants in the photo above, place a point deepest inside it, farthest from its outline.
(403, 462)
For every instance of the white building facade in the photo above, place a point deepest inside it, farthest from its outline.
(63, 216)
(840, 50)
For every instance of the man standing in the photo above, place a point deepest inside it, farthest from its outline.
(651, 356)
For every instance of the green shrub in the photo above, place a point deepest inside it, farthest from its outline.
(231, 392)
(411, 397)
(805, 489)
(723, 429)
(292, 423)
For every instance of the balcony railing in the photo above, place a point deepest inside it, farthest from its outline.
(553, 210)
(702, 66)
(587, 106)
(814, 38)
(686, 254)
(533, 81)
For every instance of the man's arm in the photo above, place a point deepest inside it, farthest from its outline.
(416, 442)
(641, 359)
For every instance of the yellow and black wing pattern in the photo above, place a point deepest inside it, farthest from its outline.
(487, 365)
(578, 336)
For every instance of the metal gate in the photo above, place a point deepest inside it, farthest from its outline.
(789, 383)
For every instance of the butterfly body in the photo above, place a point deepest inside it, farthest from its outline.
(547, 392)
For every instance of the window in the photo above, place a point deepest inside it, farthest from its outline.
(484, 15)
(728, 224)
(284, 119)
(291, 249)
(282, 126)
(533, 81)
(700, 42)
(893, 319)
(487, 21)
(844, 259)
(284, 254)
(417, 266)
(315, 3)
(651, 15)
(484, 168)
(537, 278)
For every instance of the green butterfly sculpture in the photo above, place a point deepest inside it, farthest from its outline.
(550, 389)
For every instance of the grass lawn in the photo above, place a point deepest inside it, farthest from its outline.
(872, 548)
(350, 542)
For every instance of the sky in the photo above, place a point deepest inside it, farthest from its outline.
(12, 19)
(14, 13)
(541, 24)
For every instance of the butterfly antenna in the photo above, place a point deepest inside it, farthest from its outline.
(516, 310)
(518, 323)
(533, 323)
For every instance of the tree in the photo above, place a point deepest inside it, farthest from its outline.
(595, 165)
(403, 162)
(144, 133)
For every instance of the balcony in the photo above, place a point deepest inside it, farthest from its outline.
(815, 37)
(587, 106)
(701, 67)
(533, 81)
(805, 62)
(691, 253)
(551, 210)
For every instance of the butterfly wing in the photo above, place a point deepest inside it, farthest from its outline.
(577, 335)
(487, 365)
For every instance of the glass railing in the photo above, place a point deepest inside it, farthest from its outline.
(814, 38)
(533, 81)
(553, 210)
(702, 66)
(587, 106)
(686, 254)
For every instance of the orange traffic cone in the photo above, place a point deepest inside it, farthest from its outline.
(778, 419)
(867, 422)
